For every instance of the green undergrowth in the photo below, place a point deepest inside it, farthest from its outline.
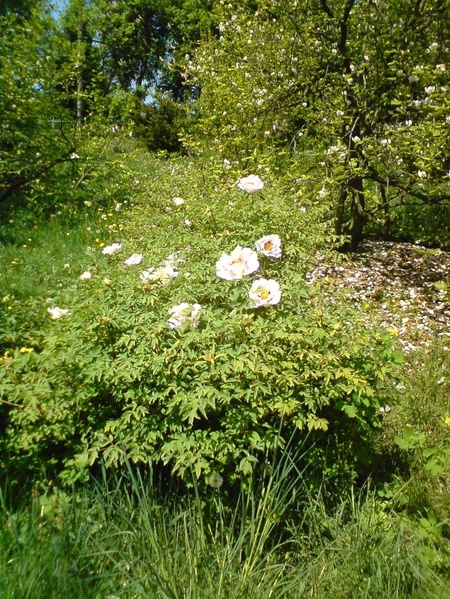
(416, 439)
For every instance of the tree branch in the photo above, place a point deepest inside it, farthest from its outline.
(17, 182)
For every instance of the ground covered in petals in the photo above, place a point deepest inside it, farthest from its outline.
(402, 286)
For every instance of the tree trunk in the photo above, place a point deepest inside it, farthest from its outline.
(358, 216)
(385, 206)
(80, 83)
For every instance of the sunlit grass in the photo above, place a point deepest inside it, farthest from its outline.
(40, 263)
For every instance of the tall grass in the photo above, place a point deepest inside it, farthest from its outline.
(117, 537)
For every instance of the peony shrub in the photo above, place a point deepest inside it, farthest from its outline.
(200, 373)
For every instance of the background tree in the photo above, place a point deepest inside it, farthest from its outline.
(134, 36)
(83, 83)
(361, 85)
(191, 21)
(20, 8)
(36, 129)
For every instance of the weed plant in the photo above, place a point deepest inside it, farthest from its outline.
(416, 437)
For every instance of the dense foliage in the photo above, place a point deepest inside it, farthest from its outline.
(37, 131)
(354, 91)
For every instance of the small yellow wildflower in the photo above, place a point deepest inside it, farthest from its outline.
(392, 332)
(26, 350)
(446, 420)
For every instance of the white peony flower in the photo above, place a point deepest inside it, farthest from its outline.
(109, 250)
(269, 245)
(162, 274)
(178, 201)
(241, 262)
(56, 312)
(86, 276)
(250, 184)
(183, 314)
(265, 292)
(133, 260)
